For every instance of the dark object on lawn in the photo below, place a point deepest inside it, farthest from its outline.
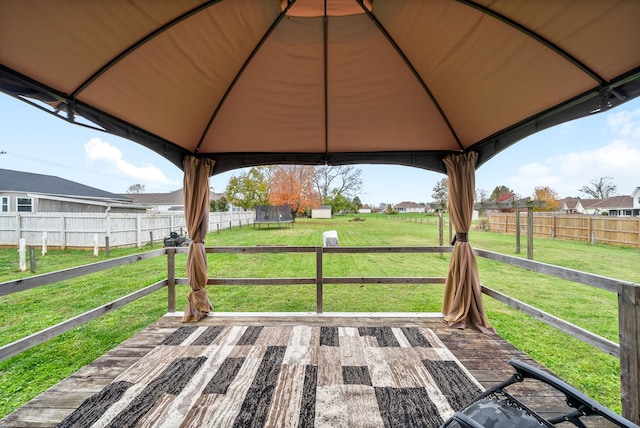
(496, 408)
(175, 240)
(279, 215)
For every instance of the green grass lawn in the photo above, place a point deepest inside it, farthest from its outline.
(24, 376)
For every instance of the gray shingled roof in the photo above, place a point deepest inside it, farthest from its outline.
(622, 202)
(172, 198)
(18, 181)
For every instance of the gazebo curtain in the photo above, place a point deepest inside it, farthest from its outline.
(462, 304)
(196, 208)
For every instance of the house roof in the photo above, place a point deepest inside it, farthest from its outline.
(572, 203)
(589, 203)
(408, 205)
(171, 198)
(614, 202)
(19, 181)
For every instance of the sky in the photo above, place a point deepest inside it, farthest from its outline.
(564, 158)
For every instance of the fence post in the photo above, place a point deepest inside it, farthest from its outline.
(107, 246)
(32, 258)
(517, 228)
(440, 230)
(171, 279)
(95, 244)
(44, 243)
(319, 279)
(18, 226)
(530, 233)
(63, 231)
(22, 248)
(139, 231)
(628, 318)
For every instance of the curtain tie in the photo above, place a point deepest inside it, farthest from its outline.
(462, 237)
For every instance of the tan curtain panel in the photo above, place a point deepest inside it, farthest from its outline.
(462, 304)
(196, 208)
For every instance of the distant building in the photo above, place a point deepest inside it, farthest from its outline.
(365, 209)
(578, 205)
(171, 201)
(409, 207)
(617, 206)
(323, 211)
(38, 193)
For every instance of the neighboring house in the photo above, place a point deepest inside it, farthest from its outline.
(171, 201)
(39, 193)
(323, 211)
(578, 205)
(569, 205)
(635, 196)
(617, 206)
(409, 207)
(365, 209)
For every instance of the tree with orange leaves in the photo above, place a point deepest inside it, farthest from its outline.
(293, 185)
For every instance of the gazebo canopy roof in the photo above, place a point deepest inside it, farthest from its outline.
(251, 82)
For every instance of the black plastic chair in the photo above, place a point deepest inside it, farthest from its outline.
(496, 408)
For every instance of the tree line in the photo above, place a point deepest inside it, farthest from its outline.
(599, 188)
(302, 187)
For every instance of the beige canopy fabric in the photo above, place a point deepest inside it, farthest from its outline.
(254, 82)
(196, 207)
(462, 304)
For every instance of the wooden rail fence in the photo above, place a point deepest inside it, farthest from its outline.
(628, 351)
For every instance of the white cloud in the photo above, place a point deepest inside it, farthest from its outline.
(625, 124)
(98, 150)
(619, 159)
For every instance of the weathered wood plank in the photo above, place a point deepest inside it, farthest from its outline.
(605, 345)
(14, 286)
(30, 341)
(629, 322)
(606, 283)
(325, 280)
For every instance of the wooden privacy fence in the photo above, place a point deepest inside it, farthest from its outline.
(78, 230)
(622, 231)
(628, 351)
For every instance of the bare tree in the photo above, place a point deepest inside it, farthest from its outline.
(481, 195)
(136, 188)
(600, 188)
(337, 180)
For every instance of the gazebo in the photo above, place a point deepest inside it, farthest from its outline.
(216, 85)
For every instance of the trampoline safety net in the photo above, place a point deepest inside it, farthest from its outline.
(273, 214)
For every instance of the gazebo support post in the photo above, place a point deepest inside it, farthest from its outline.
(629, 326)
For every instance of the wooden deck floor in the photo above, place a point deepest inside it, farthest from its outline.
(485, 357)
